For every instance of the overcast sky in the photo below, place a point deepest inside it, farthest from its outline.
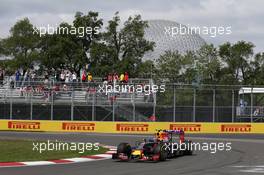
(244, 16)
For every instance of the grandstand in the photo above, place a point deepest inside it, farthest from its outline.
(79, 97)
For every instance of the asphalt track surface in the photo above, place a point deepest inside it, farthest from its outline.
(246, 157)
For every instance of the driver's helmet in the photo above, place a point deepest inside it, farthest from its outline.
(162, 136)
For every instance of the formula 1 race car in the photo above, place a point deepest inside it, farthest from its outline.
(165, 144)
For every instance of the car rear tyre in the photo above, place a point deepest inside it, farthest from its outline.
(188, 150)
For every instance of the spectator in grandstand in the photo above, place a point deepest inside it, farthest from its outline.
(12, 83)
(115, 77)
(32, 75)
(74, 77)
(89, 77)
(62, 76)
(1, 77)
(57, 75)
(25, 78)
(243, 105)
(65, 87)
(84, 76)
(105, 80)
(110, 78)
(68, 77)
(87, 67)
(121, 78)
(17, 79)
(152, 118)
(126, 77)
(46, 81)
(257, 112)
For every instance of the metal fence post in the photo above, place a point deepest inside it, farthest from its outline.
(113, 112)
(93, 107)
(134, 107)
(72, 105)
(31, 105)
(233, 105)
(51, 107)
(154, 104)
(251, 105)
(113, 101)
(11, 105)
(214, 105)
(174, 103)
(194, 104)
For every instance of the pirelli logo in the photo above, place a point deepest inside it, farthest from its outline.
(78, 126)
(186, 127)
(132, 127)
(236, 128)
(23, 125)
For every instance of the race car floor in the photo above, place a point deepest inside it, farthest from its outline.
(246, 157)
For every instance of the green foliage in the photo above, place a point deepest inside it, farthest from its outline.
(174, 67)
(230, 64)
(208, 65)
(237, 58)
(147, 69)
(62, 50)
(91, 20)
(256, 72)
(122, 48)
(117, 49)
(22, 44)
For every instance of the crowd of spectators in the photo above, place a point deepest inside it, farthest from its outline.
(86, 77)
(67, 76)
(115, 78)
(62, 77)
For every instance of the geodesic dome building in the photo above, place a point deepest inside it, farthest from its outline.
(164, 40)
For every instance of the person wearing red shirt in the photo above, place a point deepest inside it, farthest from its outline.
(126, 78)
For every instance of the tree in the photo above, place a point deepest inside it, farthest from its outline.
(91, 24)
(1, 47)
(62, 50)
(123, 48)
(256, 73)
(70, 46)
(22, 44)
(147, 69)
(237, 58)
(174, 67)
(208, 65)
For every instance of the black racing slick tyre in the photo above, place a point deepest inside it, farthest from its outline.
(160, 149)
(188, 151)
(124, 148)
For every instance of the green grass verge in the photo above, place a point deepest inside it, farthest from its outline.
(22, 150)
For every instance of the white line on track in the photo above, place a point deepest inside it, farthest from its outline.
(149, 135)
(229, 139)
(250, 169)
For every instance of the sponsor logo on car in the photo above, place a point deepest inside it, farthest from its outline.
(23, 125)
(132, 127)
(186, 127)
(235, 128)
(78, 126)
